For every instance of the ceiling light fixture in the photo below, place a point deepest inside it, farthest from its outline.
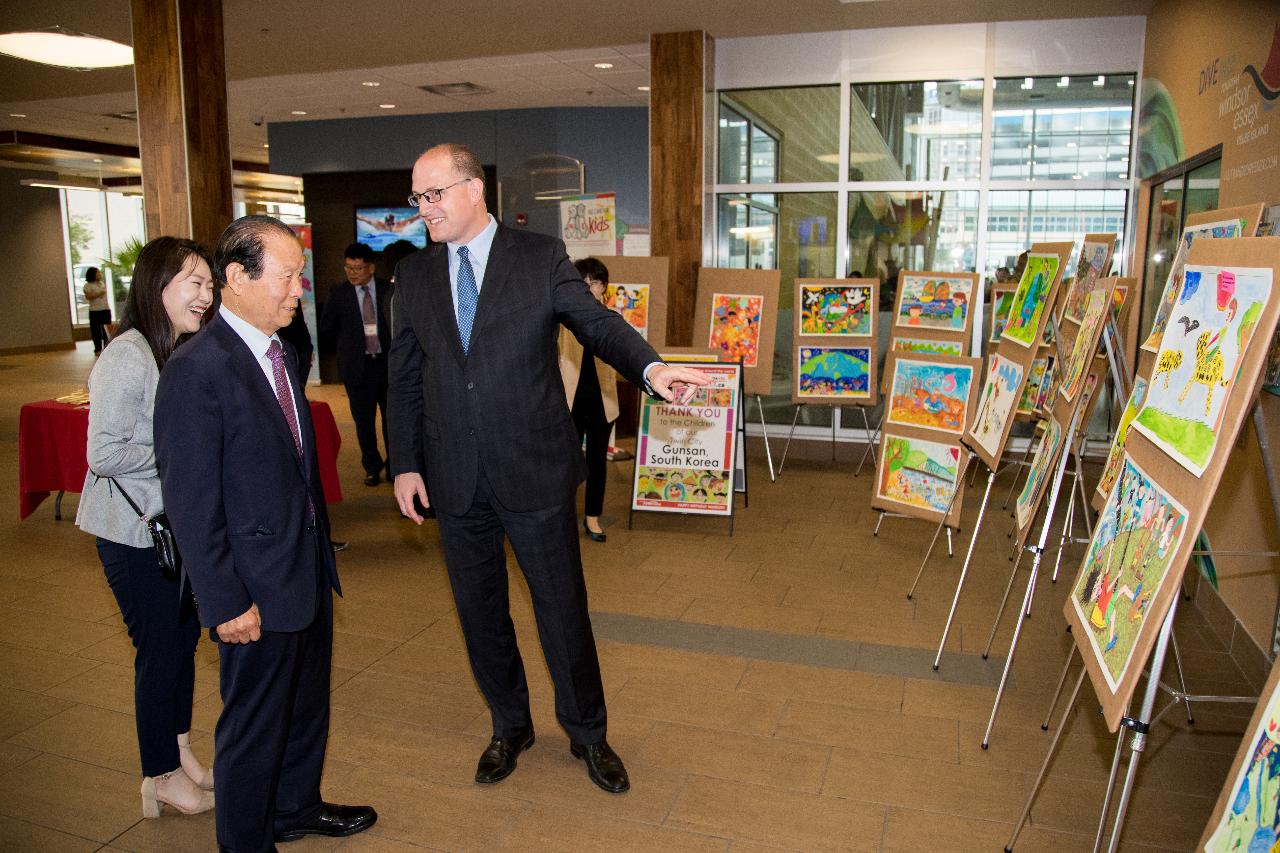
(17, 115)
(387, 106)
(64, 182)
(1064, 82)
(604, 66)
(66, 49)
(370, 83)
(1101, 81)
(1027, 83)
(642, 88)
(298, 112)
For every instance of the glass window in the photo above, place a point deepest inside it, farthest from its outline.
(102, 230)
(780, 135)
(1018, 218)
(1062, 128)
(889, 231)
(924, 131)
(1172, 202)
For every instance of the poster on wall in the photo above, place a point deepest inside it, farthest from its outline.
(589, 225)
(1022, 324)
(685, 453)
(1214, 318)
(736, 314)
(307, 304)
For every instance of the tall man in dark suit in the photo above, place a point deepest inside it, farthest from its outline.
(357, 323)
(478, 404)
(237, 459)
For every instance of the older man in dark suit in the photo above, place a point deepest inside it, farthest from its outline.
(357, 323)
(241, 484)
(477, 403)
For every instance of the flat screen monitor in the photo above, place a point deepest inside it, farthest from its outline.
(379, 227)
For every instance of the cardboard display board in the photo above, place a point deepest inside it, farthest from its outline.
(834, 351)
(1009, 365)
(928, 404)
(1094, 264)
(1244, 818)
(1148, 526)
(1226, 222)
(638, 291)
(685, 454)
(736, 314)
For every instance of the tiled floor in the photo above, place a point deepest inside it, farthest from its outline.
(769, 691)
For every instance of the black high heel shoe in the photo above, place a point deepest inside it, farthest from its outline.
(591, 534)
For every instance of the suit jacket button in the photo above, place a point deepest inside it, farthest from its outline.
(470, 385)
(471, 432)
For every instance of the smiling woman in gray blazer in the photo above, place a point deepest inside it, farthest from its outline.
(172, 288)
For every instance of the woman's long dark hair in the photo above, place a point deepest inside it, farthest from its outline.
(159, 262)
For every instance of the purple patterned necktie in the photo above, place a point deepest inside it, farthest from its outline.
(372, 346)
(284, 396)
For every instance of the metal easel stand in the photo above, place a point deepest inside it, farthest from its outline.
(764, 428)
(886, 514)
(1037, 552)
(795, 417)
(873, 438)
(1023, 464)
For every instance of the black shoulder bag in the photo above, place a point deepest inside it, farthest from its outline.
(161, 536)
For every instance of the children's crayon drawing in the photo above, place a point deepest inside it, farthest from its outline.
(632, 302)
(1033, 488)
(995, 405)
(927, 347)
(1023, 322)
(833, 372)
(1173, 284)
(1112, 467)
(1093, 256)
(1251, 819)
(930, 395)
(934, 302)
(835, 310)
(917, 472)
(1086, 342)
(735, 326)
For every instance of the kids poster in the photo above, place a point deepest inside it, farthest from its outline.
(1136, 536)
(833, 373)
(917, 473)
(1031, 392)
(1086, 342)
(1111, 469)
(632, 302)
(1023, 322)
(685, 453)
(934, 302)
(922, 346)
(735, 326)
(1033, 488)
(926, 394)
(1247, 815)
(1213, 320)
(828, 310)
(995, 406)
(1173, 284)
(1093, 257)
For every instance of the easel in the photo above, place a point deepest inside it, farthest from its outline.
(764, 429)
(795, 417)
(873, 440)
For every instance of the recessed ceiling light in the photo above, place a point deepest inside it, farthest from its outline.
(604, 65)
(642, 88)
(370, 83)
(97, 159)
(299, 112)
(266, 145)
(387, 106)
(17, 115)
(66, 48)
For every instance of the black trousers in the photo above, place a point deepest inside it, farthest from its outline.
(98, 322)
(271, 737)
(589, 419)
(164, 632)
(367, 398)
(546, 546)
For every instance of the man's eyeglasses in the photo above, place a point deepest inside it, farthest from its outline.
(355, 268)
(432, 196)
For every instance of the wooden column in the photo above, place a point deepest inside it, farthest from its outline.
(181, 82)
(681, 72)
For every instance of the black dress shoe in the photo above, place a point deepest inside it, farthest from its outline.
(334, 821)
(603, 766)
(372, 479)
(591, 534)
(499, 758)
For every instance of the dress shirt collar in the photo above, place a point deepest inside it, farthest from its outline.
(253, 337)
(478, 248)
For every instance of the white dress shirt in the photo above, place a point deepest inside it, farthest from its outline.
(258, 344)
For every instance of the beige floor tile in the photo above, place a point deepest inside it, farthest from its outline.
(736, 757)
(910, 831)
(72, 797)
(411, 700)
(20, 835)
(107, 686)
(416, 751)
(704, 707)
(371, 620)
(570, 831)
(870, 730)
(50, 633)
(172, 832)
(30, 669)
(670, 666)
(11, 755)
(436, 663)
(754, 591)
(90, 604)
(88, 734)
(772, 816)
(820, 684)
(357, 651)
(20, 710)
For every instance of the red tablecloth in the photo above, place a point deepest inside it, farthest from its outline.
(52, 458)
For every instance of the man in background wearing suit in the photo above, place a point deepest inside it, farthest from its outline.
(237, 459)
(477, 404)
(356, 323)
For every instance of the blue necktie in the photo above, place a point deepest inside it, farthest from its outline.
(468, 295)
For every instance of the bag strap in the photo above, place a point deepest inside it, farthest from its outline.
(112, 480)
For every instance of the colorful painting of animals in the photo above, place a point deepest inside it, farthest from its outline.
(835, 310)
(933, 302)
(995, 405)
(1137, 534)
(833, 373)
(1033, 488)
(632, 302)
(1033, 393)
(1001, 302)
(1093, 258)
(926, 347)
(1023, 322)
(735, 326)
(1173, 284)
(1112, 467)
(917, 473)
(1215, 317)
(1247, 815)
(1086, 342)
(930, 395)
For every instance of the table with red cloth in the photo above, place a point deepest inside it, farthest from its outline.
(52, 439)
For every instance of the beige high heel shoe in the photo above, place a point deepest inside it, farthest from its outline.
(176, 789)
(191, 765)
